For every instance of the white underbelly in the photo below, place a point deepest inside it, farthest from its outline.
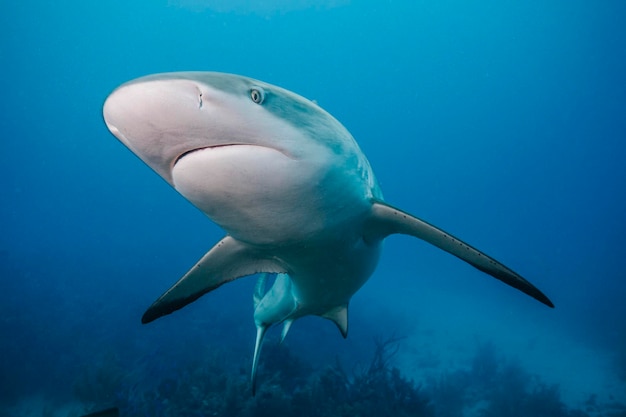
(260, 195)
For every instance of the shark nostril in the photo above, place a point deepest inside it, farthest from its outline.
(200, 103)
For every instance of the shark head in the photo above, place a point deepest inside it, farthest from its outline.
(287, 182)
(235, 147)
(163, 118)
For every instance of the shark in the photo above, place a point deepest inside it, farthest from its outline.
(289, 185)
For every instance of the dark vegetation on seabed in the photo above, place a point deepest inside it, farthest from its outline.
(488, 387)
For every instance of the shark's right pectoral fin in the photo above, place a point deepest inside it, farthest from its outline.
(386, 220)
(228, 260)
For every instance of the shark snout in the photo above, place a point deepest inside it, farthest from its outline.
(153, 105)
(111, 121)
(158, 119)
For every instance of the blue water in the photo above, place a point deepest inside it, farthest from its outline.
(503, 122)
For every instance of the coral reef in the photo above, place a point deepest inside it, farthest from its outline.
(489, 386)
(206, 388)
(378, 389)
(493, 387)
(98, 384)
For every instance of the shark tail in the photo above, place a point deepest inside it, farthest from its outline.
(260, 335)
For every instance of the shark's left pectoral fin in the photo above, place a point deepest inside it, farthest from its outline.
(228, 260)
(386, 220)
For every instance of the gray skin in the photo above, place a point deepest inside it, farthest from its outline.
(285, 180)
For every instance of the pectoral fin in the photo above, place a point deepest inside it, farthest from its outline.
(386, 220)
(228, 260)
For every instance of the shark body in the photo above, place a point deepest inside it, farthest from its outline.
(288, 184)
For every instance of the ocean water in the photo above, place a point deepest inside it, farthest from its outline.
(503, 122)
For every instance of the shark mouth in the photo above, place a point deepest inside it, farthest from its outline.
(226, 145)
(189, 152)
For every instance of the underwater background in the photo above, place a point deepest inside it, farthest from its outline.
(503, 122)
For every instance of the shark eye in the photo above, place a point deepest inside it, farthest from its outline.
(257, 95)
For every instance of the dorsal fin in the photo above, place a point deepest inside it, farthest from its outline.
(386, 220)
(339, 315)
